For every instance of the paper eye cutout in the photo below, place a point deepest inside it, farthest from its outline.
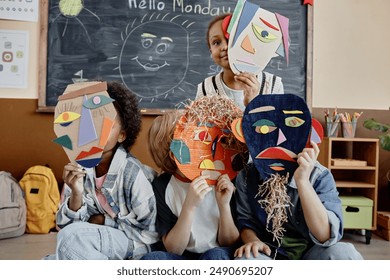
(66, 118)
(203, 136)
(97, 101)
(262, 34)
(181, 151)
(264, 126)
(294, 122)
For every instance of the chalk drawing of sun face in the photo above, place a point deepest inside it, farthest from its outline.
(70, 9)
(154, 59)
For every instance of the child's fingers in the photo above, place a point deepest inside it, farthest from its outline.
(246, 78)
(238, 253)
(315, 148)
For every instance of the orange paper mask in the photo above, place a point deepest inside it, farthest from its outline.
(203, 143)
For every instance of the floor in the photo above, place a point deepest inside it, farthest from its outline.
(36, 246)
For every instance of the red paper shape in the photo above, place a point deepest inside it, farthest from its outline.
(225, 24)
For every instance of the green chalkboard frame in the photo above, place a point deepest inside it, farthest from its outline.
(42, 71)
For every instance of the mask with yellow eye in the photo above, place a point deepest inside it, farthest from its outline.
(83, 119)
(256, 36)
(276, 128)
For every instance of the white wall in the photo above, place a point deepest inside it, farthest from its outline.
(351, 56)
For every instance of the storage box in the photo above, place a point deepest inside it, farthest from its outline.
(357, 212)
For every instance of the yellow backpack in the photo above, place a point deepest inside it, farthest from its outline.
(42, 198)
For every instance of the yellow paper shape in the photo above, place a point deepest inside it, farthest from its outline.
(206, 164)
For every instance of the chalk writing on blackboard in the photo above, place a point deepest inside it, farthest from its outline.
(155, 48)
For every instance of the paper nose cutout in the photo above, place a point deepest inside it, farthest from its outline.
(281, 138)
(247, 45)
(87, 131)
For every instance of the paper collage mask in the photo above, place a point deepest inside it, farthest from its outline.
(83, 119)
(203, 143)
(276, 129)
(255, 36)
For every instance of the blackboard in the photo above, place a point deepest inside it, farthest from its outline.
(100, 39)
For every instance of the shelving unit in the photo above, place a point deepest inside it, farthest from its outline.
(354, 165)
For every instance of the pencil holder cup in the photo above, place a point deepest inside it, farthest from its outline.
(349, 129)
(332, 129)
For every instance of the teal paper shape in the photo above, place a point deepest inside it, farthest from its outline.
(64, 141)
(97, 101)
(181, 151)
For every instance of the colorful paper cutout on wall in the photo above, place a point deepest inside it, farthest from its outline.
(256, 32)
(83, 119)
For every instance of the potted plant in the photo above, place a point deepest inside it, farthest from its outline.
(384, 129)
(384, 137)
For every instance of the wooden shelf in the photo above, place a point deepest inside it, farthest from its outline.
(354, 184)
(353, 167)
(360, 178)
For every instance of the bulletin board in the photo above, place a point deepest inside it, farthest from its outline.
(99, 40)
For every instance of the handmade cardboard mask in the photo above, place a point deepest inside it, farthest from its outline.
(276, 129)
(203, 143)
(255, 36)
(83, 119)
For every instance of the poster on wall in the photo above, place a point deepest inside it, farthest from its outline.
(24, 10)
(14, 45)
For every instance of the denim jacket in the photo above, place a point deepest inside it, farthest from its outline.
(129, 192)
(251, 215)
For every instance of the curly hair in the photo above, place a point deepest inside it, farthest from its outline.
(126, 105)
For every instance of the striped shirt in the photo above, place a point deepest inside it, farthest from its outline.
(214, 85)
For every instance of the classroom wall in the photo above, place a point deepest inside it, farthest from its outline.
(350, 70)
(351, 54)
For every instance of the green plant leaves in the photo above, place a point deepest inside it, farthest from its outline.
(372, 124)
(384, 139)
